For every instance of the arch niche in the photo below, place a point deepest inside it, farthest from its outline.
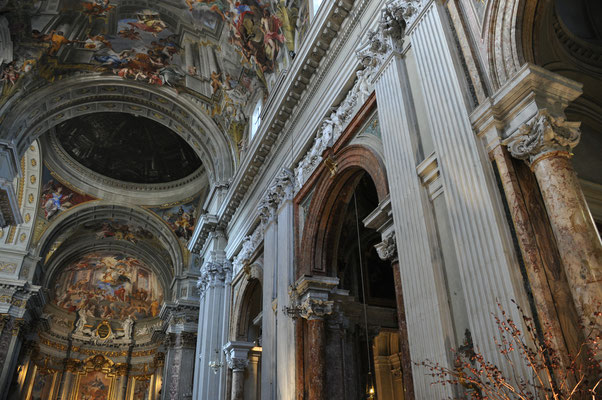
(357, 163)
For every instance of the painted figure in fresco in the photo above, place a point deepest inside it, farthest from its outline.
(53, 199)
(57, 40)
(270, 26)
(9, 74)
(149, 21)
(216, 82)
(216, 6)
(129, 33)
(97, 8)
(108, 287)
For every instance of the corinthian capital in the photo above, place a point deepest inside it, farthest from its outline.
(312, 308)
(543, 134)
(387, 249)
(214, 274)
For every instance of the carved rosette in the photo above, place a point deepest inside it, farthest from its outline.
(236, 364)
(312, 309)
(387, 249)
(542, 135)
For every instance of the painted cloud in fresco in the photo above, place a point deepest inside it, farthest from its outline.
(109, 285)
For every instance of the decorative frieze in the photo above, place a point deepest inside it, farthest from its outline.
(278, 192)
(543, 134)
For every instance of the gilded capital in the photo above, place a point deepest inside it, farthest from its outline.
(543, 134)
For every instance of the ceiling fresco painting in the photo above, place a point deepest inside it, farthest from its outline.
(127, 148)
(250, 41)
(180, 218)
(119, 230)
(56, 197)
(109, 285)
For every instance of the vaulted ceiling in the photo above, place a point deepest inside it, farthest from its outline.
(138, 107)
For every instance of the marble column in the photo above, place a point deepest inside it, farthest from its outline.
(269, 366)
(214, 314)
(482, 241)
(546, 143)
(71, 368)
(314, 305)
(122, 380)
(237, 358)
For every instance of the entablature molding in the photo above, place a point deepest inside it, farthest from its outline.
(532, 92)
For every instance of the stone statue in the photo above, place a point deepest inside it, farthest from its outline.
(392, 22)
(127, 327)
(363, 85)
(81, 321)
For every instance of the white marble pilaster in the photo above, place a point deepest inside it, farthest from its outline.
(285, 328)
(268, 343)
(488, 267)
(214, 314)
(425, 308)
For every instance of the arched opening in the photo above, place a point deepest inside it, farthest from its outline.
(362, 340)
(246, 336)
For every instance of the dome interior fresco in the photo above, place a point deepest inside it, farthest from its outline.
(127, 148)
(108, 285)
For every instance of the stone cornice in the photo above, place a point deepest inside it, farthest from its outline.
(519, 100)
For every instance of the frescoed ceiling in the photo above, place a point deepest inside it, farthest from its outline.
(219, 52)
(141, 108)
(127, 148)
(109, 285)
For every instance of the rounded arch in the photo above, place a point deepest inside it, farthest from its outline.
(67, 224)
(250, 288)
(83, 95)
(331, 195)
(507, 26)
